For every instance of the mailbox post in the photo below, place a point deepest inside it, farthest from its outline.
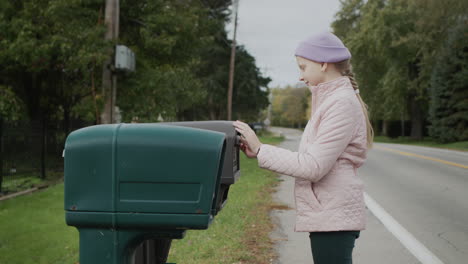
(128, 183)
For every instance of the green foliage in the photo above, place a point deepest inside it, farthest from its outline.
(396, 45)
(53, 52)
(449, 88)
(347, 18)
(183, 62)
(49, 49)
(50, 35)
(290, 106)
(250, 87)
(11, 107)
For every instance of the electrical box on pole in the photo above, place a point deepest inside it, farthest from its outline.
(124, 59)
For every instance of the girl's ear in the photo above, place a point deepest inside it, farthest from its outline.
(324, 67)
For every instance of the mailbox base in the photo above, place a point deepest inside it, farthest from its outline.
(114, 246)
(153, 251)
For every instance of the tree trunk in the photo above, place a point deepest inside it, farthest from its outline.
(402, 125)
(66, 120)
(416, 120)
(385, 128)
(211, 108)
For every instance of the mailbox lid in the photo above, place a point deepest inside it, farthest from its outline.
(231, 170)
(144, 168)
(168, 169)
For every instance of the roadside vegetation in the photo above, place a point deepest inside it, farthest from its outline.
(410, 59)
(426, 142)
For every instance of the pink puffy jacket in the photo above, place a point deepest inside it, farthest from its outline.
(328, 192)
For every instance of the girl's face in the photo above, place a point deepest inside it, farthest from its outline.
(312, 73)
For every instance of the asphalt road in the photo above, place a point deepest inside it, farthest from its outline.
(424, 189)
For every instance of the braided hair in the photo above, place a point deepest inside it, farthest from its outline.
(345, 68)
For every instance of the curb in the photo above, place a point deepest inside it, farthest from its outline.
(6, 197)
(28, 191)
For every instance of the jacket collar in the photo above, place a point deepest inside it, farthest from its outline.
(323, 90)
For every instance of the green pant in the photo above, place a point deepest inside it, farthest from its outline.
(333, 247)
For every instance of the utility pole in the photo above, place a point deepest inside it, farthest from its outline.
(231, 67)
(109, 80)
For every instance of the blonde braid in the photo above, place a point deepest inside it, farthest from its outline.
(346, 70)
(349, 73)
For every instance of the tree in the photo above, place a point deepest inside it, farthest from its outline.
(359, 33)
(395, 44)
(11, 109)
(449, 87)
(290, 106)
(347, 18)
(49, 48)
(166, 37)
(182, 64)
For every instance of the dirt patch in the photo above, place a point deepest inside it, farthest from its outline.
(280, 207)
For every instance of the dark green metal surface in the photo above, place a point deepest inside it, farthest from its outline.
(138, 169)
(127, 183)
(107, 246)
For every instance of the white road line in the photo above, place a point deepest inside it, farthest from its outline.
(406, 238)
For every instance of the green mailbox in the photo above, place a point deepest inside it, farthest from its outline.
(125, 183)
(231, 166)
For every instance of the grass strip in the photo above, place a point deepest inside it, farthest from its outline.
(426, 142)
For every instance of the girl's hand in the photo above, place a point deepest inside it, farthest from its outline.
(247, 151)
(250, 143)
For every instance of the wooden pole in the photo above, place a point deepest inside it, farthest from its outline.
(232, 64)
(109, 81)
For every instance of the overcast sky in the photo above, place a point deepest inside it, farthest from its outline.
(271, 29)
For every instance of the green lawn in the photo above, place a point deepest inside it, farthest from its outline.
(33, 229)
(427, 142)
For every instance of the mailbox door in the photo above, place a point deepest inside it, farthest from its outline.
(88, 168)
(168, 169)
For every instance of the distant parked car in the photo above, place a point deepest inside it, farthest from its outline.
(257, 126)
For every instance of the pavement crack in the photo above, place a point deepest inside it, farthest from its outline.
(448, 242)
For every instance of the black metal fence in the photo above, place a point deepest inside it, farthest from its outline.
(31, 149)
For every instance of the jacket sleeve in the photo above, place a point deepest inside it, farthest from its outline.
(335, 131)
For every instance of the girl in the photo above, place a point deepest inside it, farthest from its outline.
(328, 193)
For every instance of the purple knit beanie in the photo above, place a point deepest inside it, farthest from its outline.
(323, 47)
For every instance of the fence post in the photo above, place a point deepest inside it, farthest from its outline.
(1, 153)
(44, 148)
